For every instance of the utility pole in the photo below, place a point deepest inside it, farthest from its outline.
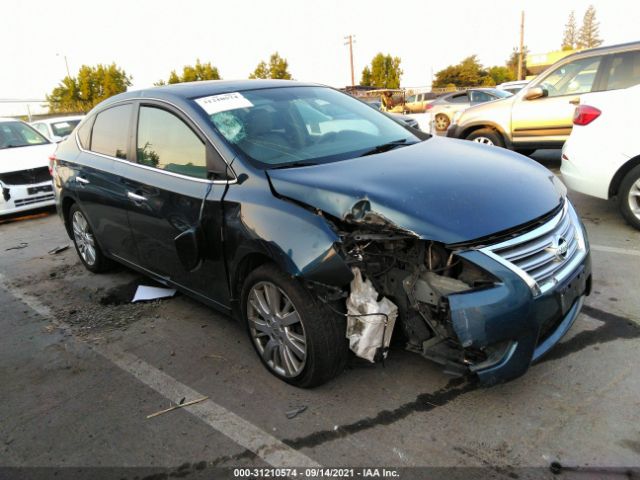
(66, 64)
(521, 55)
(350, 41)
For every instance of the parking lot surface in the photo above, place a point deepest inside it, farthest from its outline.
(82, 367)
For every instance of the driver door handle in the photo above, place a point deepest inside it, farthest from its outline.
(82, 180)
(135, 197)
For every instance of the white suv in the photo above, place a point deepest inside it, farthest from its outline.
(601, 158)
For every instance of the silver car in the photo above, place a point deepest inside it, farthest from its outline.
(444, 108)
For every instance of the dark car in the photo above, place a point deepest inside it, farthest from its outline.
(289, 205)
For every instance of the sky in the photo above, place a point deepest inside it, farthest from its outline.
(148, 39)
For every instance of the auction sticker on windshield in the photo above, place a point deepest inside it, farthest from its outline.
(223, 102)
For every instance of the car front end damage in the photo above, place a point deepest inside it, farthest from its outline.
(487, 308)
(25, 190)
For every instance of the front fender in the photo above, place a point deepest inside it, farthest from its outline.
(299, 241)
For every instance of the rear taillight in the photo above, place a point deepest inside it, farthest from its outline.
(585, 114)
(52, 164)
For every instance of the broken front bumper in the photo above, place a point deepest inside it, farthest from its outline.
(18, 198)
(512, 324)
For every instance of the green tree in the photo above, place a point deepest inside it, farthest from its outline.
(589, 34)
(385, 72)
(512, 62)
(91, 86)
(277, 67)
(195, 73)
(570, 36)
(366, 77)
(499, 74)
(468, 73)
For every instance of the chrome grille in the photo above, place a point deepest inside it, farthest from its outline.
(544, 256)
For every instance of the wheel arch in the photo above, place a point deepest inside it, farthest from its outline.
(66, 204)
(469, 129)
(617, 179)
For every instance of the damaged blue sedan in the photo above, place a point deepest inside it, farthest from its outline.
(325, 226)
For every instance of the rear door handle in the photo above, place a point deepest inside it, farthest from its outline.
(574, 101)
(135, 197)
(82, 180)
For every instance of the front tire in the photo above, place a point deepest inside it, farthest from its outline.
(629, 197)
(296, 336)
(486, 136)
(85, 242)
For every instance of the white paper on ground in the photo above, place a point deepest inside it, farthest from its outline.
(145, 292)
(223, 102)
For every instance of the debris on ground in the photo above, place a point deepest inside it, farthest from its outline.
(175, 407)
(58, 249)
(20, 246)
(145, 292)
(295, 412)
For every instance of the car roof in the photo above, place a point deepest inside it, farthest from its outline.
(188, 90)
(604, 50)
(58, 119)
(8, 119)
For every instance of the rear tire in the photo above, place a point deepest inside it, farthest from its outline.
(486, 136)
(629, 197)
(297, 337)
(85, 242)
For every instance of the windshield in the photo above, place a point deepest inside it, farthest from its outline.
(18, 134)
(281, 127)
(64, 128)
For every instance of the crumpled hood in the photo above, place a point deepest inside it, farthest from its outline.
(444, 190)
(25, 158)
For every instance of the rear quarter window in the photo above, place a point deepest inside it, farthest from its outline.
(84, 133)
(110, 133)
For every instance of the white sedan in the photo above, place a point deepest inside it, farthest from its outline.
(25, 181)
(57, 128)
(601, 158)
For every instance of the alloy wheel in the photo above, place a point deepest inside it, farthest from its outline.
(276, 329)
(84, 238)
(483, 140)
(634, 199)
(442, 122)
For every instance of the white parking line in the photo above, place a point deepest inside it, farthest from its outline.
(622, 251)
(236, 428)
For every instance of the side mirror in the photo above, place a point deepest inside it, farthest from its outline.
(535, 92)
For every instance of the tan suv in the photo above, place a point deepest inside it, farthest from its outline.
(541, 114)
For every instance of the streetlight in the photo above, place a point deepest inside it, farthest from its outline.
(66, 64)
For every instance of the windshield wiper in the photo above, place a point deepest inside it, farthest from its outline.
(294, 165)
(385, 147)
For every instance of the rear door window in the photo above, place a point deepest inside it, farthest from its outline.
(623, 71)
(110, 134)
(166, 142)
(460, 98)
